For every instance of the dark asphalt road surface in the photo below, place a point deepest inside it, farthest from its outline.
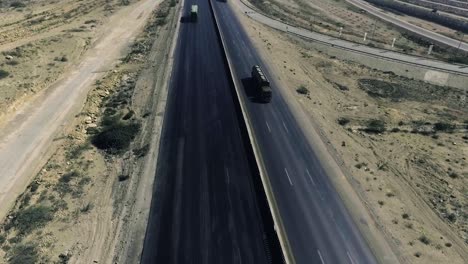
(204, 207)
(318, 226)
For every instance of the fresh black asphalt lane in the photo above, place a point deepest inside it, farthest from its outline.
(204, 207)
(318, 226)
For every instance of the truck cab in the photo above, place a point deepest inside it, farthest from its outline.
(194, 13)
(262, 85)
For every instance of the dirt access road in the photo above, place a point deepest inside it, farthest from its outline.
(26, 137)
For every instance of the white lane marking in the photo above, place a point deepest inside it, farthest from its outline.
(320, 255)
(310, 177)
(321, 196)
(349, 256)
(227, 174)
(269, 130)
(285, 127)
(287, 174)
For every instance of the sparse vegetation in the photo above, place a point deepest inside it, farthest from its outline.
(24, 254)
(17, 4)
(116, 138)
(453, 175)
(12, 62)
(32, 218)
(123, 177)
(141, 152)
(343, 121)
(444, 127)
(88, 207)
(3, 74)
(375, 126)
(302, 90)
(424, 239)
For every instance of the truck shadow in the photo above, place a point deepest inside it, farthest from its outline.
(187, 19)
(249, 88)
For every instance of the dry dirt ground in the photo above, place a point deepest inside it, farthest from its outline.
(40, 40)
(78, 207)
(401, 142)
(327, 17)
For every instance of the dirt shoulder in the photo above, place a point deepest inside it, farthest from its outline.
(400, 142)
(88, 200)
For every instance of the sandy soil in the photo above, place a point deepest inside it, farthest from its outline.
(89, 194)
(411, 178)
(40, 41)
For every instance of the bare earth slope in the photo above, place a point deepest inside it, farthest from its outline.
(27, 135)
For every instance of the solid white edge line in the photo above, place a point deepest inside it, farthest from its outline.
(310, 177)
(227, 174)
(285, 127)
(349, 256)
(320, 255)
(287, 174)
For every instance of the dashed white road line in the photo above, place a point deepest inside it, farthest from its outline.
(350, 258)
(268, 126)
(287, 174)
(285, 127)
(310, 177)
(227, 174)
(320, 255)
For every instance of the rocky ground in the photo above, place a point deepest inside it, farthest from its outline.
(77, 207)
(401, 142)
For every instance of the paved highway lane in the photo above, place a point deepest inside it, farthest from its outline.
(204, 207)
(319, 228)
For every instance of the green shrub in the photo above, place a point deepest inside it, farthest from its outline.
(453, 175)
(128, 115)
(343, 121)
(24, 254)
(32, 218)
(375, 126)
(123, 177)
(116, 139)
(424, 239)
(3, 74)
(141, 152)
(302, 90)
(12, 62)
(17, 4)
(445, 127)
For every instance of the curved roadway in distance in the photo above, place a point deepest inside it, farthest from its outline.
(318, 226)
(351, 46)
(410, 27)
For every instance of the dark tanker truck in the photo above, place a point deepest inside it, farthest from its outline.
(261, 84)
